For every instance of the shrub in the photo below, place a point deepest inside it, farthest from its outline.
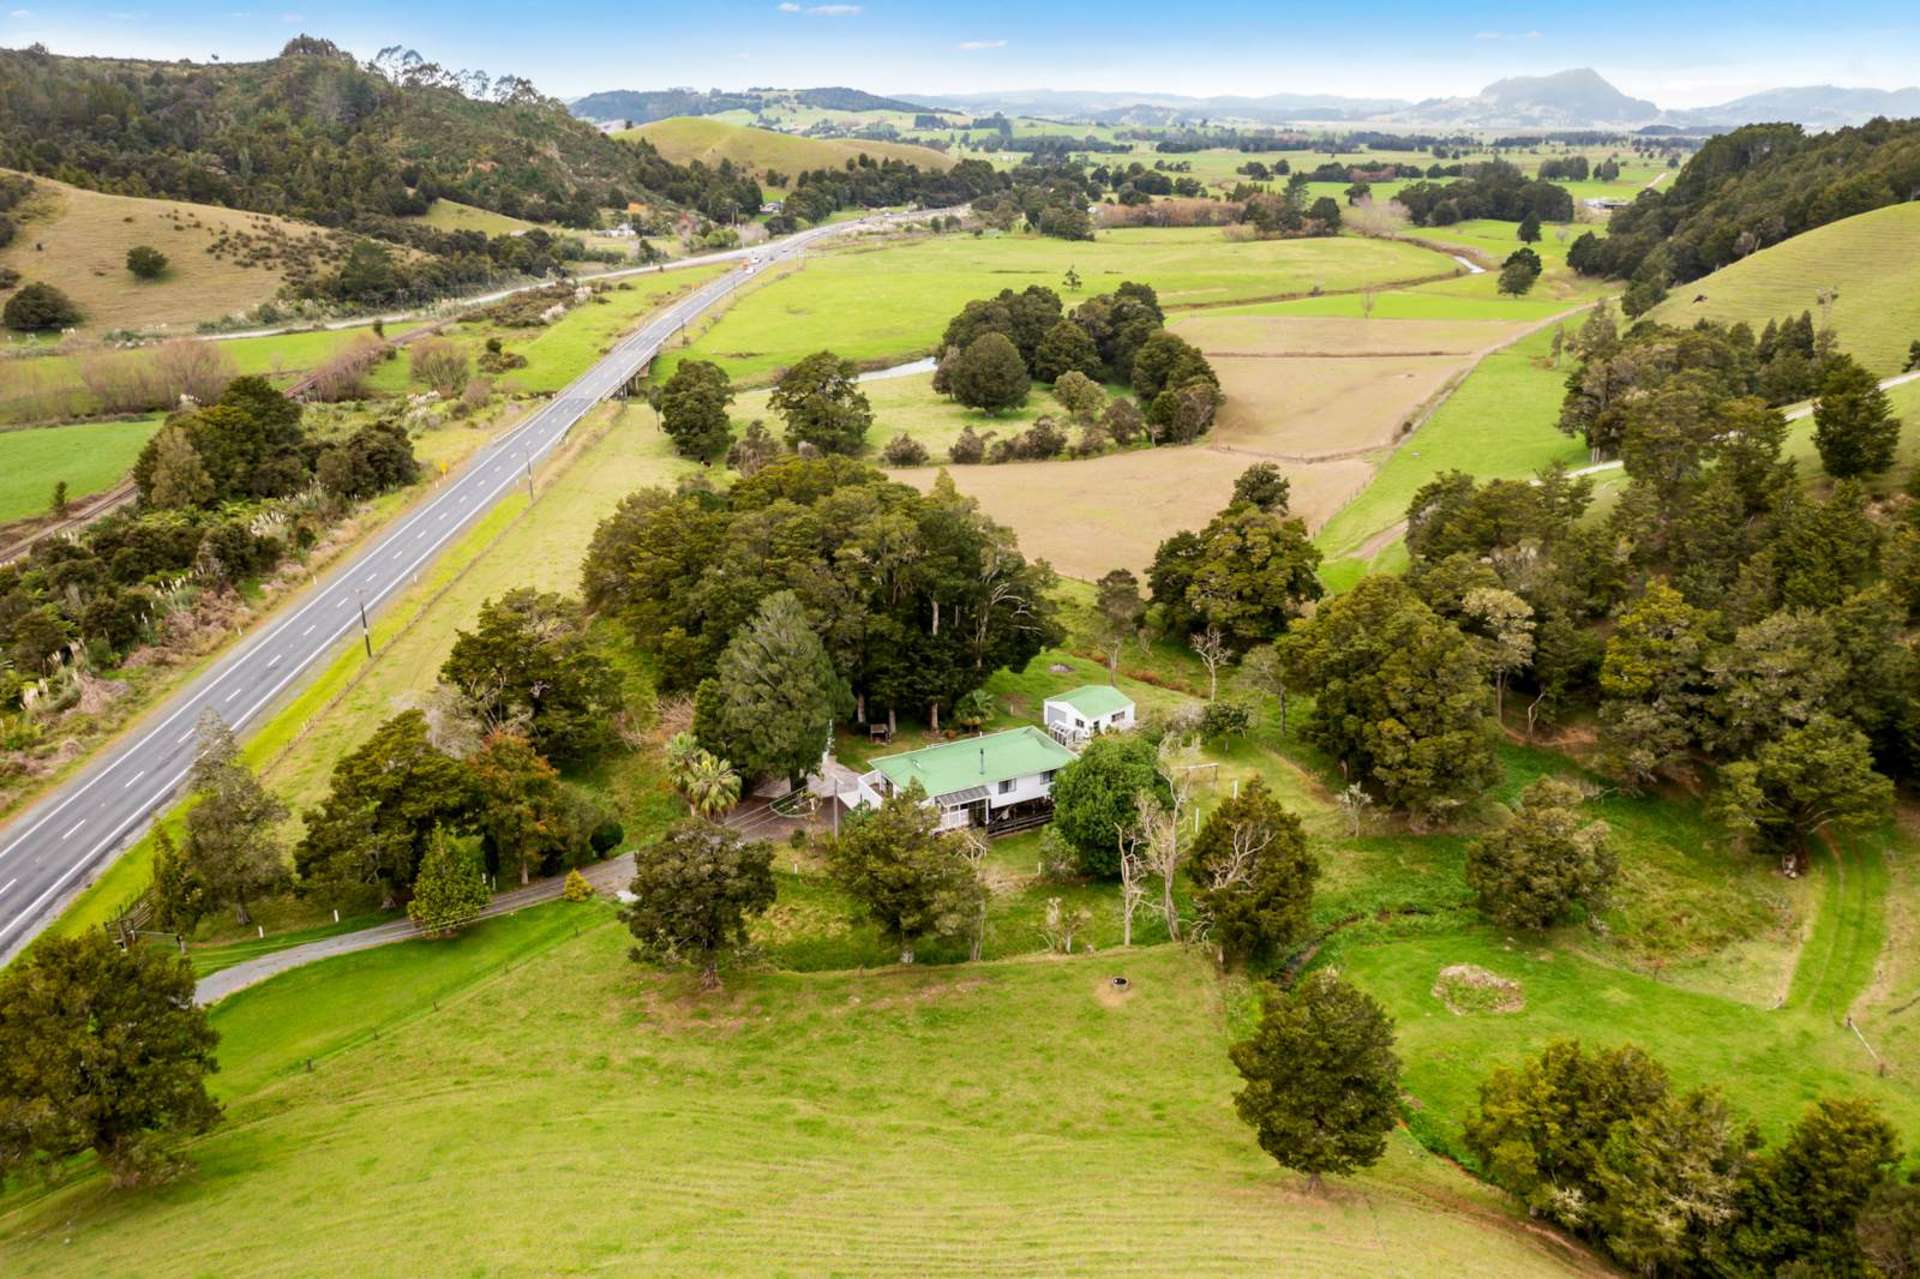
(969, 449)
(39, 307)
(1044, 439)
(576, 889)
(904, 450)
(146, 262)
(1225, 719)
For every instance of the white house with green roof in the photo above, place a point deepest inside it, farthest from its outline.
(1076, 715)
(998, 781)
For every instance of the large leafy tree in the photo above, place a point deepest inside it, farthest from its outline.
(1808, 780)
(693, 409)
(1400, 697)
(1533, 870)
(450, 891)
(520, 807)
(695, 890)
(1253, 875)
(1653, 684)
(1670, 1176)
(1803, 1200)
(822, 404)
(1067, 348)
(1322, 1080)
(772, 702)
(1094, 797)
(1248, 574)
(530, 662)
(988, 374)
(386, 800)
(1853, 423)
(1542, 1127)
(231, 843)
(909, 879)
(101, 1049)
(1167, 362)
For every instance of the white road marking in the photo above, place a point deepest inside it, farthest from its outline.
(76, 826)
(9, 884)
(235, 693)
(131, 780)
(183, 737)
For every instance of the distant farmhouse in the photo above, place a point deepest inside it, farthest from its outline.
(999, 782)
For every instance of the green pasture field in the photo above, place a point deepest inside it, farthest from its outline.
(1871, 263)
(840, 301)
(1499, 422)
(91, 458)
(532, 1058)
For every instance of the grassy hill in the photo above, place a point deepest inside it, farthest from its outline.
(220, 261)
(312, 133)
(1870, 261)
(529, 1102)
(687, 138)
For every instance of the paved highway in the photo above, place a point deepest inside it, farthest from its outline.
(47, 850)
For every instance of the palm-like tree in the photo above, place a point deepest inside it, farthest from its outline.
(712, 786)
(681, 751)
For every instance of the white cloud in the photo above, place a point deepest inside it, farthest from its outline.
(1506, 35)
(971, 45)
(789, 7)
(21, 13)
(834, 10)
(293, 17)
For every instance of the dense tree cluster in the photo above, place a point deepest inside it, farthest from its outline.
(1111, 337)
(1723, 613)
(1749, 189)
(1658, 383)
(1673, 1182)
(1495, 190)
(222, 488)
(917, 598)
(524, 683)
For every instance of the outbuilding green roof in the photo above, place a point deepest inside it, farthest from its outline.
(975, 761)
(1094, 700)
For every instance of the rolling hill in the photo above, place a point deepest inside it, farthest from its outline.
(219, 261)
(1871, 261)
(686, 138)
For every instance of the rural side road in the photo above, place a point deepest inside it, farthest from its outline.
(607, 878)
(79, 826)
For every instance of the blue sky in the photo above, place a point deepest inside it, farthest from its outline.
(1677, 52)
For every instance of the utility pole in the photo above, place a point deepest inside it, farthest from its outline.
(366, 632)
(527, 464)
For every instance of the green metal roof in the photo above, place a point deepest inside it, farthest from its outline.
(975, 761)
(1094, 700)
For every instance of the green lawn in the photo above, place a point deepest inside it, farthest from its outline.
(875, 313)
(91, 458)
(524, 1101)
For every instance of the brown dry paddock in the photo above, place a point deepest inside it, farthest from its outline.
(1086, 517)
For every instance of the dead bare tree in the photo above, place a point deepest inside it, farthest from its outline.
(1062, 923)
(1161, 848)
(1211, 647)
(1247, 842)
(1354, 804)
(1133, 878)
(972, 848)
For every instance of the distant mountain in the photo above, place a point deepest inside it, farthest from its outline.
(642, 106)
(1169, 108)
(1577, 99)
(1824, 105)
(1567, 99)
